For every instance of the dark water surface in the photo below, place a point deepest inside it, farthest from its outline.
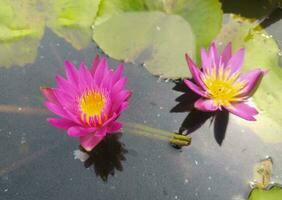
(37, 160)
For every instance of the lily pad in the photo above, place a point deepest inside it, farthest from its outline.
(261, 52)
(274, 193)
(21, 29)
(153, 38)
(200, 15)
(72, 20)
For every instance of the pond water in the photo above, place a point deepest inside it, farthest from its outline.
(39, 161)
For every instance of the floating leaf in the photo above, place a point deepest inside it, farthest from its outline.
(202, 15)
(261, 52)
(154, 38)
(21, 28)
(109, 8)
(274, 193)
(72, 20)
(164, 46)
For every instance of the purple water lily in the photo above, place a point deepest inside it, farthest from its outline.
(220, 83)
(88, 101)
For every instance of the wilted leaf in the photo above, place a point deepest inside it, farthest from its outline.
(154, 38)
(263, 173)
(261, 52)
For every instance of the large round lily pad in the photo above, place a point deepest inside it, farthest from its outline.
(203, 21)
(153, 38)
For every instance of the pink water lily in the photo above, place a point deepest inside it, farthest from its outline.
(88, 101)
(221, 84)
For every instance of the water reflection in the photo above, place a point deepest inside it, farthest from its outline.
(107, 156)
(195, 118)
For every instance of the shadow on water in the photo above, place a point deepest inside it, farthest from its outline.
(195, 118)
(258, 9)
(107, 156)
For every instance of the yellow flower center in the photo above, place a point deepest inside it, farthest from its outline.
(222, 87)
(92, 103)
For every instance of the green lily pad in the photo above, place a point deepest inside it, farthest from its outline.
(109, 8)
(153, 38)
(275, 193)
(72, 20)
(200, 15)
(261, 52)
(21, 29)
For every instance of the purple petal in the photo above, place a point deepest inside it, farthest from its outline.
(77, 131)
(61, 123)
(206, 105)
(196, 73)
(116, 126)
(236, 61)
(243, 110)
(71, 72)
(226, 54)
(252, 79)
(195, 88)
(88, 142)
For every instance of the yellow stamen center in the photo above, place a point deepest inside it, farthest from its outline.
(223, 87)
(92, 103)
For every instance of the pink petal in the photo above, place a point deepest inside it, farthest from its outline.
(236, 61)
(195, 88)
(95, 64)
(226, 54)
(116, 126)
(57, 109)
(77, 131)
(71, 72)
(206, 105)
(61, 123)
(196, 73)
(65, 85)
(243, 110)
(88, 142)
(206, 62)
(99, 74)
(49, 94)
(85, 73)
(123, 106)
(119, 98)
(118, 73)
(118, 86)
(107, 81)
(213, 55)
(252, 79)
